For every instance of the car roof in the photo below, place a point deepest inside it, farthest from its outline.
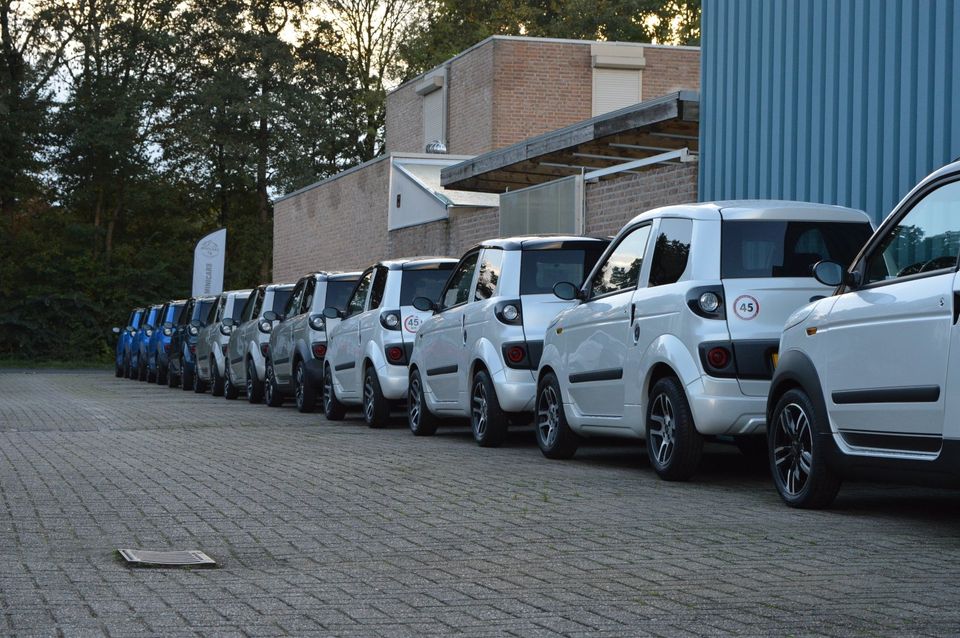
(540, 242)
(174, 302)
(747, 209)
(416, 263)
(323, 275)
(286, 286)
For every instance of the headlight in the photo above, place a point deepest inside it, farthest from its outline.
(193, 330)
(390, 320)
(168, 332)
(317, 323)
(265, 326)
(148, 332)
(709, 302)
(225, 330)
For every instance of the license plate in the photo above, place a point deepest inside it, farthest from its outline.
(775, 358)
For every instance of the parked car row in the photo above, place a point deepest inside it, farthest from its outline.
(729, 321)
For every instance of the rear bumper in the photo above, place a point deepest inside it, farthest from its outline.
(394, 381)
(516, 390)
(719, 407)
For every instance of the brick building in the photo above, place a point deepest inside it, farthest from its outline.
(493, 96)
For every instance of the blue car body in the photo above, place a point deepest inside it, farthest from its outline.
(138, 349)
(160, 343)
(183, 349)
(125, 342)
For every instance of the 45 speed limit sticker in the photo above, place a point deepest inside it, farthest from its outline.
(411, 323)
(746, 307)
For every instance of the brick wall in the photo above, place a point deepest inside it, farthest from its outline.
(404, 122)
(539, 87)
(470, 102)
(669, 69)
(465, 227)
(611, 204)
(339, 224)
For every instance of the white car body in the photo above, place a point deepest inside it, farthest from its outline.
(299, 339)
(469, 332)
(610, 349)
(361, 338)
(877, 359)
(245, 349)
(212, 340)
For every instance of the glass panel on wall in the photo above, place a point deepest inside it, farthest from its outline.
(555, 207)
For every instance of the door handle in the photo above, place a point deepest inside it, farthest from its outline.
(633, 313)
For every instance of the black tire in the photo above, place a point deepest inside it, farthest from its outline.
(673, 444)
(421, 420)
(151, 376)
(272, 395)
(186, 376)
(254, 384)
(332, 408)
(487, 420)
(199, 386)
(161, 376)
(554, 436)
(798, 456)
(216, 388)
(376, 408)
(118, 370)
(126, 367)
(173, 380)
(142, 369)
(304, 392)
(230, 391)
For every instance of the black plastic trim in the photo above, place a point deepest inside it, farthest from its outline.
(893, 441)
(345, 366)
(432, 372)
(905, 394)
(609, 374)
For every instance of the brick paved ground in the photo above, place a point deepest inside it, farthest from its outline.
(335, 529)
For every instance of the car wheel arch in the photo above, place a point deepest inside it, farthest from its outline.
(795, 370)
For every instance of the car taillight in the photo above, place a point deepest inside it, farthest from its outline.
(718, 357)
(193, 349)
(516, 354)
(395, 354)
(265, 349)
(166, 347)
(224, 350)
(319, 350)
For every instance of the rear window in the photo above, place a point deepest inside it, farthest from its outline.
(202, 309)
(541, 270)
(173, 313)
(423, 283)
(753, 249)
(338, 292)
(280, 299)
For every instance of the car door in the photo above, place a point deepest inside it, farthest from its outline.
(344, 346)
(299, 323)
(886, 345)
(599, 332)
(443, 348)
(281, 342)
(370, 320)
(478, 319)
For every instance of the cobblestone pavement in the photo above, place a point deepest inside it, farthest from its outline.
(335, 529)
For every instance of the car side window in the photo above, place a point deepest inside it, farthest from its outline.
(216, 310)
(306, 302)
(621, 269)
(489, 275)
(926, 239)
(293, 303)
(186, 314)
(252, 310)
(378, 288)
(359, 297)
(457, 290)
(671, 251)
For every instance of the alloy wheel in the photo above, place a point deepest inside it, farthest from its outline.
(249, 383)
(327, 390)
(299, 386)
(413, 410)
(793, 448)
(269, 389)
(663, 437)
(368, 399)
(548, 416)
(479, 402)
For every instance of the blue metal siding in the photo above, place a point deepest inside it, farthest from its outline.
(838, 101)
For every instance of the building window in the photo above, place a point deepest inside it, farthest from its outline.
(617, 76)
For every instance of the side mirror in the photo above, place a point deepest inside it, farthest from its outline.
(829, 273)
(271, 316)
(331, 312)
(115, 330)
(229, 322)
(423, 304)
(168, 324)
(566, 291)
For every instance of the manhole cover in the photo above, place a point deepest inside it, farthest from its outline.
(168, 559)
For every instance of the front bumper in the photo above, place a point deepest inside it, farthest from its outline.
(719, 407)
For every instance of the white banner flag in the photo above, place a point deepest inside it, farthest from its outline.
(208, 263)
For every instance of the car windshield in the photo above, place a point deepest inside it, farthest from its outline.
(280, 299)
(173, 313)
(338, 292)
(541, 270)
(202, 309)
(423, 283)
(754, 249)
